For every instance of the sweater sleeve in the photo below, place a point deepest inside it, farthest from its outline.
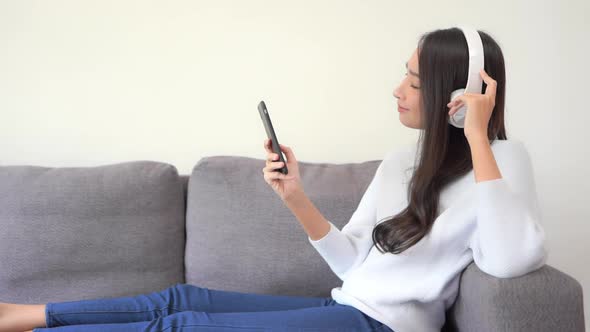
(509, 240)
(345, 249)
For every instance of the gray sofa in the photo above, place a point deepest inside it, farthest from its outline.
(71, 233)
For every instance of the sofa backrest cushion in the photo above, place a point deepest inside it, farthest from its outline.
(241, 236)
(87, 232)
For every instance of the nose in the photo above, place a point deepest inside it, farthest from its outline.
(396, 93)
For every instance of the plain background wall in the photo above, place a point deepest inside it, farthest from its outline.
(85, 83)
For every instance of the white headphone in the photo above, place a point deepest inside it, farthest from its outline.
(474, 80)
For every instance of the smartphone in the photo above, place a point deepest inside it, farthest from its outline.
(270, 133)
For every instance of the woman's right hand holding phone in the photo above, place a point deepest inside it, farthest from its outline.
(286, 186)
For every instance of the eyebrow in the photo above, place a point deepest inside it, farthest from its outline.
(411, 72)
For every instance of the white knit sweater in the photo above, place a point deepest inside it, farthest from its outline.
(496, 223)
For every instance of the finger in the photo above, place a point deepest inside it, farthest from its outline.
(484, 75)
(490, 83)
(289, 153)
(272, 156)
(455, 108)
(275, 164)
(267, 145)
(279, 176)
(271, 168)
(456, 101)
(452, 111)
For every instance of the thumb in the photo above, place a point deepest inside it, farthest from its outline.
(288, 152)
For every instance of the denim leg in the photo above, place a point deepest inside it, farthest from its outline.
(186, 297)
(334, 318)
(174, 299)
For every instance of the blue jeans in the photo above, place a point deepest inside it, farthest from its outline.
(185, 307)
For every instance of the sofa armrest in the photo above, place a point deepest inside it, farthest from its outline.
(543, 300)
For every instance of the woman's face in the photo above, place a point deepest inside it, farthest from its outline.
(408, 95)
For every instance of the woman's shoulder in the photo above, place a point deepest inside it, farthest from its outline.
(503, 143)
(505, 151)
(403, 152)
(400, 160)
(510, 149)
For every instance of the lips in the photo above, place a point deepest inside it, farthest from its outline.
(401, 109)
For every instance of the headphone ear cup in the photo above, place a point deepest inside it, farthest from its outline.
(456, 94)
(458, 119)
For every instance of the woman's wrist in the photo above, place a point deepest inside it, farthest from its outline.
(295, 198)
(313, 222)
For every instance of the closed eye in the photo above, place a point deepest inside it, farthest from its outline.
(415, 87)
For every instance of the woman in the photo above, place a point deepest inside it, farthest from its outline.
(402, 252)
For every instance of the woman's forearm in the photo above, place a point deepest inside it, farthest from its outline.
(484, 164)
(313, 222)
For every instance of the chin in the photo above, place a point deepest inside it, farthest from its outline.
(409, 120)
(409, 124)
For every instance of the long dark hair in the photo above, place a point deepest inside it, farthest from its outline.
(443, 154)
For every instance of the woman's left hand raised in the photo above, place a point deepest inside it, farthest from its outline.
(479, 108)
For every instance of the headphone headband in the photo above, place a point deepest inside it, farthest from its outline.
(476, 59)
(474, 79)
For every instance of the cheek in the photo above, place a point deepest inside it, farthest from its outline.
(414, 100)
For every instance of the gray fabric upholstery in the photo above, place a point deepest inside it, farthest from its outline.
(241, 236)
(89, 232)
(117, 230)
(542, 301)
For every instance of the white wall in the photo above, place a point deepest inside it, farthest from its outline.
(84, 83)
